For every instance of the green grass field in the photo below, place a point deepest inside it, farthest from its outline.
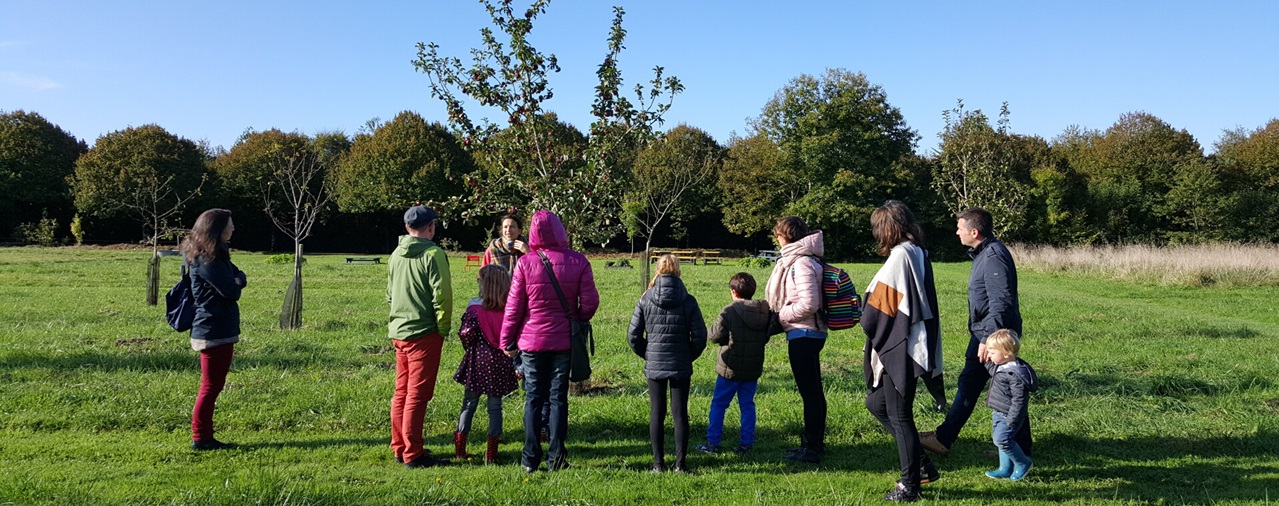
(1151, 394)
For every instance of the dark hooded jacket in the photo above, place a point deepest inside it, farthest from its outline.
(741, 331)
(667, 330)
(1010, 389)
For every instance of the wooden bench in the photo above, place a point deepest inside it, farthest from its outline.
(684, 255)
(363, 260)
(473, 261)
(711, 255)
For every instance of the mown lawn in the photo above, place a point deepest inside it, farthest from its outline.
(1150, 395)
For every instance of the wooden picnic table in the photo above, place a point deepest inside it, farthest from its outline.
(688, 255)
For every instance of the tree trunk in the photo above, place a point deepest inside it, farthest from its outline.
(291, 313)
(647, 265)
(153, 278)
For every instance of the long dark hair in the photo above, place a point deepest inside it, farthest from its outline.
(893, 224)
(204, 242)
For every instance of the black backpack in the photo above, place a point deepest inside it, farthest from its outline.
(180, 303)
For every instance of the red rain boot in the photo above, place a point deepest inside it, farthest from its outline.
(459, 445)
(490, 455)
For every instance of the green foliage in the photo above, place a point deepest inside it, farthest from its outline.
(1249, 164)
(523, 160)
(840, 147)
(42, 233)
(280, 259)
(1197, 204)
(399, 164)
(1130, 168)
(750, 166)
(245, 172)
(984, 166)
(144, 173)
(77, 230)
(673, 180)
(754, 263)
(36, 157)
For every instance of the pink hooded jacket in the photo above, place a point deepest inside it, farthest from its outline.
(794, 288)
(535, 319)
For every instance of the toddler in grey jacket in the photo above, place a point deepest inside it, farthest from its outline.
(1012, 381)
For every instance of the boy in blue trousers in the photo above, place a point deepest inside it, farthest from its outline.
(741, 331)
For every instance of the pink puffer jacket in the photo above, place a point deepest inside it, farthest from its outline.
(794, 289)
(535, 319)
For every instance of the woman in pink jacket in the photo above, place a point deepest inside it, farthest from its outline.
(536, 327)
(794, 291)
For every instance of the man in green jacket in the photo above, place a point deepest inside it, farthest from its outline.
(420, 292)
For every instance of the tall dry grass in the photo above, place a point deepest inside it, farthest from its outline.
(1198, 265)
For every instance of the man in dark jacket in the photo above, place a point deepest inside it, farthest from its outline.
(992, 305)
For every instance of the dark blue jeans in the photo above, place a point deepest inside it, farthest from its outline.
(546, 380)
(972, 381)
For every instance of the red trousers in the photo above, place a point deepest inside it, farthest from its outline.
(417, 364)
(214, 364)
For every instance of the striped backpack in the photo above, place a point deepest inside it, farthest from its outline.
(841, 304)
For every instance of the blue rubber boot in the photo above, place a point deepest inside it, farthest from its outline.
(1020, 468)
(1005, 466)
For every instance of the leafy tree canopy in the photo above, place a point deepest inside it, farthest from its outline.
(36, 157)
(511, 78)
(402, 162)
(841, 146)
(145, 173)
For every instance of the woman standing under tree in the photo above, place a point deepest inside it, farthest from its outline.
(509, 246)
(215, 285)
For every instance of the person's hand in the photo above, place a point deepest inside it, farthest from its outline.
(511, 353)
(520, 245)
(982, 356)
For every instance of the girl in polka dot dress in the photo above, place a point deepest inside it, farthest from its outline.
(484, 370)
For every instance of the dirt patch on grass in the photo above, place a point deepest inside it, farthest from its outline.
(136, 341)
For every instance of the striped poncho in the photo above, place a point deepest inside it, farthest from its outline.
(903, 332)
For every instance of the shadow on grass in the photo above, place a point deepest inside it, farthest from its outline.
(1241, 332)
(315, 444)
(136, 355)
(1179, 386)
(1205, 471)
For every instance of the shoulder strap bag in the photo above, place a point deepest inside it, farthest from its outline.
(582, 339)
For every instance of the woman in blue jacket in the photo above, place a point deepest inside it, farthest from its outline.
(215, 285)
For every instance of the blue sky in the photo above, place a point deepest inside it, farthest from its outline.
(209, 70)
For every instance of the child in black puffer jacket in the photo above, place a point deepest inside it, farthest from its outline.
(667, 331)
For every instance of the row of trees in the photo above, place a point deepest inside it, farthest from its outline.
(829, 148)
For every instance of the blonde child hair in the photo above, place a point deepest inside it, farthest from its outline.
(495, 283)
(1004, 340)
(666, 264)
